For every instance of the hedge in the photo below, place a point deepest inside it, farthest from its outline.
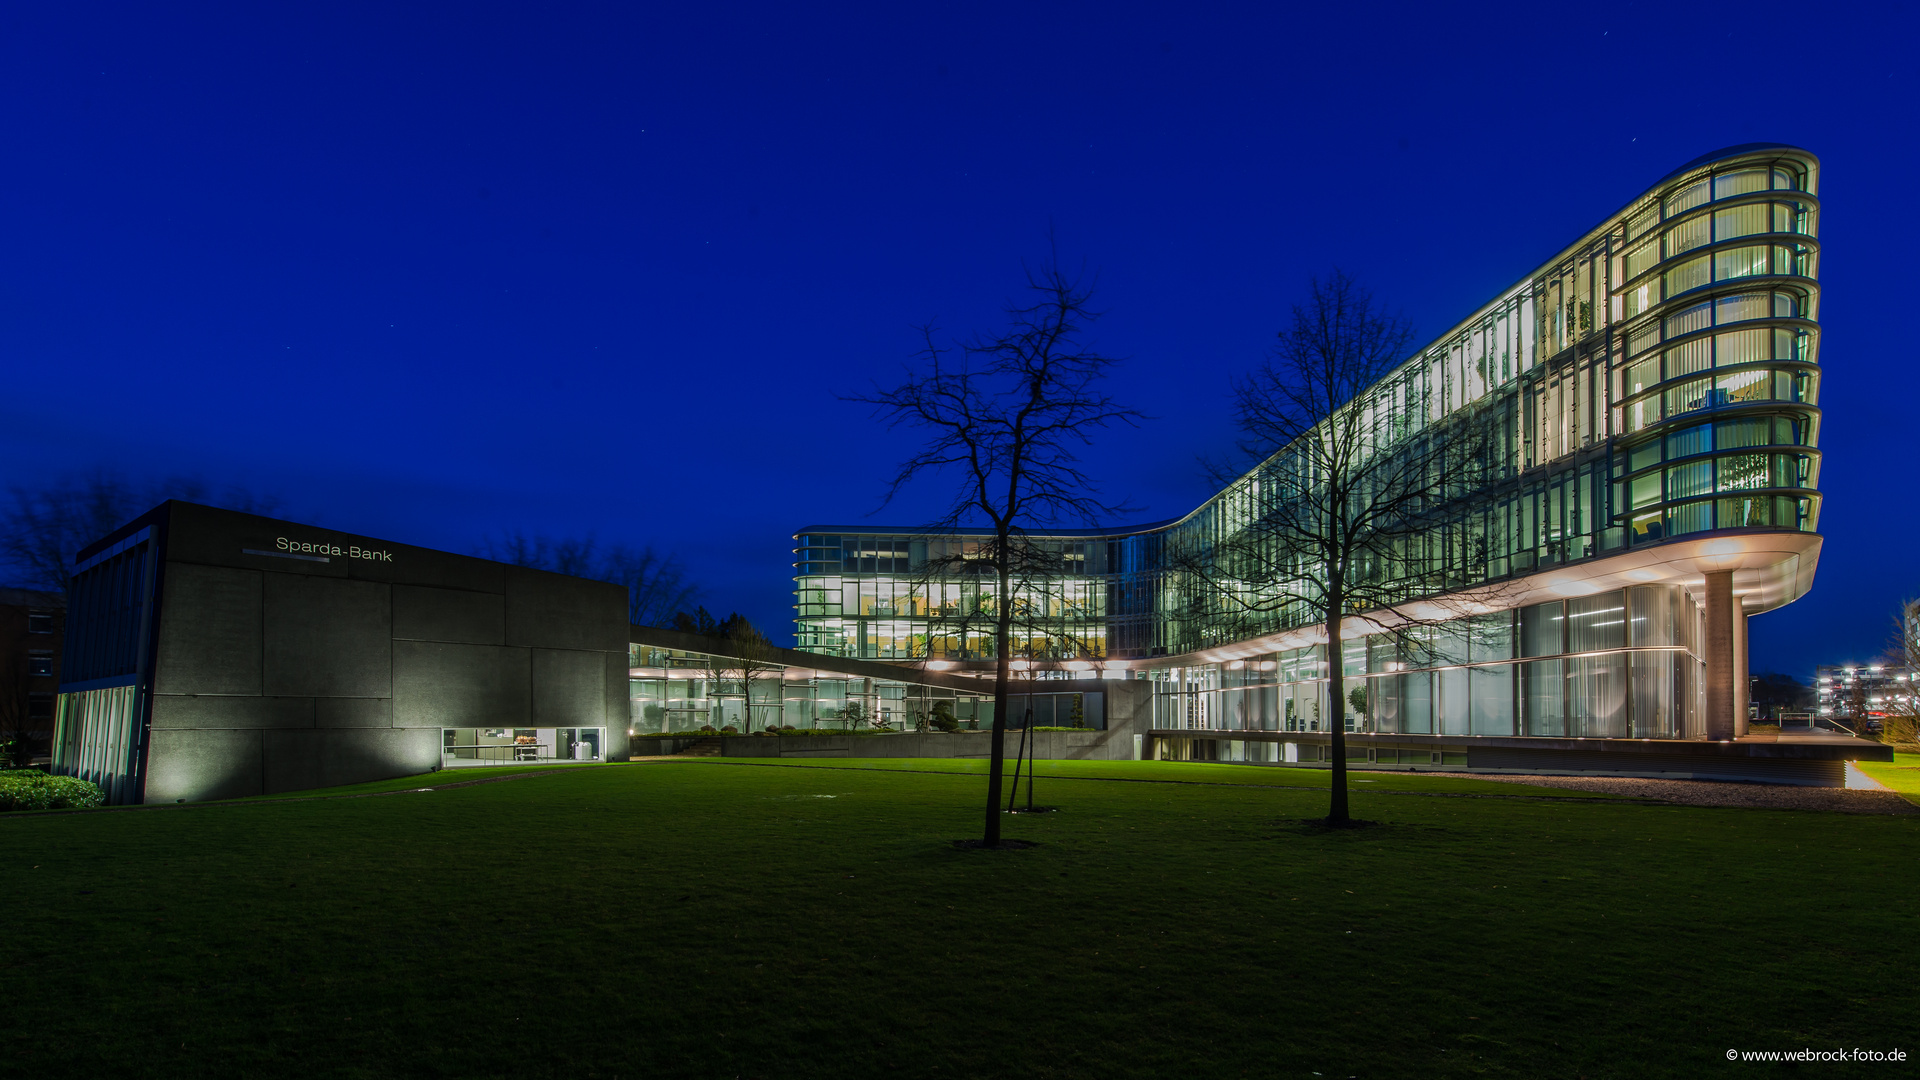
(31, 789)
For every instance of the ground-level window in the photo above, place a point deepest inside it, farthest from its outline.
(507, 746)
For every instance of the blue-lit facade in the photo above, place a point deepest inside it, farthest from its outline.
(1649, 400)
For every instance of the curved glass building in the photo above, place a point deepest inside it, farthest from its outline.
(1648, 400)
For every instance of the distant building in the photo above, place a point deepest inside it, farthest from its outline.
(32, 628)
(1652, 398)
(217, 655)
(1862, 691)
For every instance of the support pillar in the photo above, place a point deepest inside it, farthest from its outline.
(1720, 609)
(1742, 684)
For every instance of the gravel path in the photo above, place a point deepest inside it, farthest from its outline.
(1721, 793)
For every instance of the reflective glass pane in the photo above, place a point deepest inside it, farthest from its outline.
(1652, 681)
(1691, 479)
(1686, 359)
(1692, 518)
(1727, 185)
(1416, 703)
(1688, 275)
(1493, 636)
(1541, 629)
(1750, 431)
(1688, 397)
(1492, 700)
(1731, 309)
(1544, 694)
(1741, 472)
(1689, 441)
(1642, 259)
(1694, 194)
(1454, 717)
(1596, 696)
(1688, 235)
(1597, 622)
(1744, 386)
(1740, 221)
(1698, 317)
(1644, 375)
(1743, 347)
(1739, 263)
(1655, 615)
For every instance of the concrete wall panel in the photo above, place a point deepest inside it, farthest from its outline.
(210, 631)
(231, 713)
(619, 707)
(201, 764)
(327, 637)
(437, 684)
(352, 712)
(565, 613)
(299, 760)
(424, 614)
(569, 688)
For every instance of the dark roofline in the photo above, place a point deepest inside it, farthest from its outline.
(121, 533)
(680, 641)
(932, 530)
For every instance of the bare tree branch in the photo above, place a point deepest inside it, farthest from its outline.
(45, 526)
(1343, 473)
(657, 584)
(1005, 418)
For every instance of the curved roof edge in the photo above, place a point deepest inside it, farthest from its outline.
(1724, 153)
(1732, 152)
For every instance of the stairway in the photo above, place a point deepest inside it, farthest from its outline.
(702, 748)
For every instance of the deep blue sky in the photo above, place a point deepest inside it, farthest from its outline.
(434, 273)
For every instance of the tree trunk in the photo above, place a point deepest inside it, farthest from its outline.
(1336, 687)
(1003, 639)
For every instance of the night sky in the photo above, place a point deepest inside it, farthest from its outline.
(430, 273)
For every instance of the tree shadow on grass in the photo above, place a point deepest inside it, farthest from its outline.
(1004, 844)
(1355, 827)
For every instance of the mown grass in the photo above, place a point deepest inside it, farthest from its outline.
(1902, 774)
(710, 918)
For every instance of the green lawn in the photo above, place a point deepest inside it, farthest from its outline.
(1902, 774)
(719, 919)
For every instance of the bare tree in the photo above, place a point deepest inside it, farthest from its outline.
(753, 660)
(1346, 470)
(657, 584)
(1004, 416)
(47, 525)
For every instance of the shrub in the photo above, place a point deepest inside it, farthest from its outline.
(729, 730)
(31, 789)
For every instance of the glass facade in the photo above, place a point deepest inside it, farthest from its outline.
(510, 746)
(100, 716)
(1655, 384)
(878, 596)
(674, 691)
(1613, 665)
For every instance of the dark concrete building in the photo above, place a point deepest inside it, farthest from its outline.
(32, 625)
(217, 654)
